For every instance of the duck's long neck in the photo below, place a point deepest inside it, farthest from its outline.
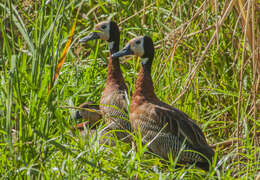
(144, 83)
(114, 74)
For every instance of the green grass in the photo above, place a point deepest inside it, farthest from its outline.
(33, 36)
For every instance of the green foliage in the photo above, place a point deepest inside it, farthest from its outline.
(35, 130)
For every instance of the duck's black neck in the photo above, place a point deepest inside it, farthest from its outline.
(113, 46)
(114, 38)
(147, 65)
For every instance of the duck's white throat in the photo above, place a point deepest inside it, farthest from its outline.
(111, 45)
(144, 60)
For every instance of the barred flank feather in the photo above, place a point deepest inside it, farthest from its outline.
(114, 110)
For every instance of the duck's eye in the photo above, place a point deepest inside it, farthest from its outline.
(137, 42)
(103, 26)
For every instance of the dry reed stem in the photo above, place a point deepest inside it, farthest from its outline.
(224, 143)
(200, 31)
(250, 30)
(200, 60)
(246, 34)
(217, 28)
(199, 10)
(255, 55)
(130, 17)
(143, 17)
(245, 20)
(92, 10)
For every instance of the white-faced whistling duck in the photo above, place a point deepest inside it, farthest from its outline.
(166, 128)
(113, 102)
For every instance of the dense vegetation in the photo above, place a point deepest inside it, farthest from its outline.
(206, 63)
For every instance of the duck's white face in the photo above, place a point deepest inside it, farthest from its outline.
(137, 46)
(103, 29)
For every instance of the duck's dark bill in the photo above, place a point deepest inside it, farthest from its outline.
(89, 37)
(126, 51)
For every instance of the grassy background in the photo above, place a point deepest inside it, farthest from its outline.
(206, 64)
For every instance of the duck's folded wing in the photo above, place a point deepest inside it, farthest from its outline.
(182, 126)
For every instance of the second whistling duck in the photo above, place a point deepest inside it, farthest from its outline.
(165, 128)
(113, 102)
